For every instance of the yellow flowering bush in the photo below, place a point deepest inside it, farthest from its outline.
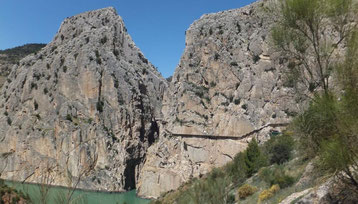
(246, 190)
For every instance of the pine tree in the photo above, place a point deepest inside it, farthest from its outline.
(254, 159)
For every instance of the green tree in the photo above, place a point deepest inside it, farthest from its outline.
(237, 169)
(254, 159)
(339, 154)
(310, 33)
(317, 123)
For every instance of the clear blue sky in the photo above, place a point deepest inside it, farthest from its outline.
(156, 26)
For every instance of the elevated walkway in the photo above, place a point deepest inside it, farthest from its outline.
(225, 137)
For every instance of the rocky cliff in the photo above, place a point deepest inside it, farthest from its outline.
(82, 108)
(228, 83)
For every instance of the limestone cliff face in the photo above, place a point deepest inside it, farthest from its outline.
(227, 83)
(85, 101)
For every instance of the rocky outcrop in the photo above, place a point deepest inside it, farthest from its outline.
(331, 191)
(295, 196)
(228, 83)
(81, 109)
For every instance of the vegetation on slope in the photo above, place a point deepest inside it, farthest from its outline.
(13, 55)
(221, 184)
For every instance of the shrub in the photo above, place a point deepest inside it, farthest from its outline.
(62, 61)
(269, 193)
(100, 105)
(116, 83)
(216, 173)
(234, 64)
(216, 56)
(9, 121)
(98, 57)
(115, 52)
(284, 180)
(33, 85)
(266, 174)
(256, 58)
(245, 191)
(317, 124)
(237, 101)
(280, 148)
(238, 27)
(237, 169)
(276, 176)
(69, 117)
(264, 195)
(104, 40)
(230, 199)
(206, 191)
(36, 105)
(275, 188)
(244, 106)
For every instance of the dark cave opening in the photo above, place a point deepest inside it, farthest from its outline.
(130, 174)
(154, 132)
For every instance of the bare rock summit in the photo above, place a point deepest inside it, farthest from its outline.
(81, 109)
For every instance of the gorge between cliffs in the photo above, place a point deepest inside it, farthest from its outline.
(90, 111)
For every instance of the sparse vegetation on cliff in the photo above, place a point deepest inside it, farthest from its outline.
(222, 183)
(13, 55)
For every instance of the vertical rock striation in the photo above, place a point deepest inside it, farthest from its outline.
(87, 101)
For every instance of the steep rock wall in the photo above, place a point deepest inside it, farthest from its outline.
(81, 109)
(228, 83)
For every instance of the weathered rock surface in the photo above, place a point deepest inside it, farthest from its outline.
(295, 196)
(85, 101)
(331, 191)
(227, 83)
(319, 194)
